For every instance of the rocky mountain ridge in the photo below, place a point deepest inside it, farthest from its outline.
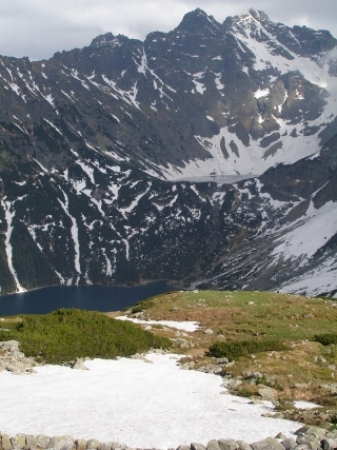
(119, 155)
(210, 98)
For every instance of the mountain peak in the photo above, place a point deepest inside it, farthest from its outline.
(250, 16)
(195, 20)
(258, 15)
(103, 39)
(199, 12)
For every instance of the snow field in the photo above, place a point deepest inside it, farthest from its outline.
(143, 404)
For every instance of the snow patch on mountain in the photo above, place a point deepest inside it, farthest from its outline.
(308, 234)
(318, 281)
(261, 93)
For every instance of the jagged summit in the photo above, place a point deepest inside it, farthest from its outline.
(258, 14)
(109, 39)
(196, 20)
(103, 39)
(250, 16)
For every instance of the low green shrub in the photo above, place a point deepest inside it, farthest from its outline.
(326, 338)
(66, 334)
(244, 392)
(233, 350)
(142, 306)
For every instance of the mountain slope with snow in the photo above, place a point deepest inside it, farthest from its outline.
(293, 248)
(127, 156)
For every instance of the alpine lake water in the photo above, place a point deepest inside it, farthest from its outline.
(94, 298)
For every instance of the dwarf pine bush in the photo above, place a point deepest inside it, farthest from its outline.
(326, 338)
(233, 350)
(66, 334)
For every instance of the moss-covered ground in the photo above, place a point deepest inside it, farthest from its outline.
(301, 370)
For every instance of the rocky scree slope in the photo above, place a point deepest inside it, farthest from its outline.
(89, 137)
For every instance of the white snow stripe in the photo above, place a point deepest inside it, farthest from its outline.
(74, 231)
(9, 215)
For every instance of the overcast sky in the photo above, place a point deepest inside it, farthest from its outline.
(39, 28)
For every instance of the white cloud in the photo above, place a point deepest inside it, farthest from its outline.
(39, 28)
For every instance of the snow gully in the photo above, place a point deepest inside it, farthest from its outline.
(9, 215)
(74, 232)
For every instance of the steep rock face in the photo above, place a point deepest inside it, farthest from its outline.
(206, 98)
(88, 138)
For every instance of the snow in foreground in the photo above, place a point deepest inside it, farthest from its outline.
(184, 325)
(131, 401)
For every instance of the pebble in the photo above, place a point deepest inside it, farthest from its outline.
(307, 438)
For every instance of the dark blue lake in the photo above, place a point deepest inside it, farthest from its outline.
(97, 298)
